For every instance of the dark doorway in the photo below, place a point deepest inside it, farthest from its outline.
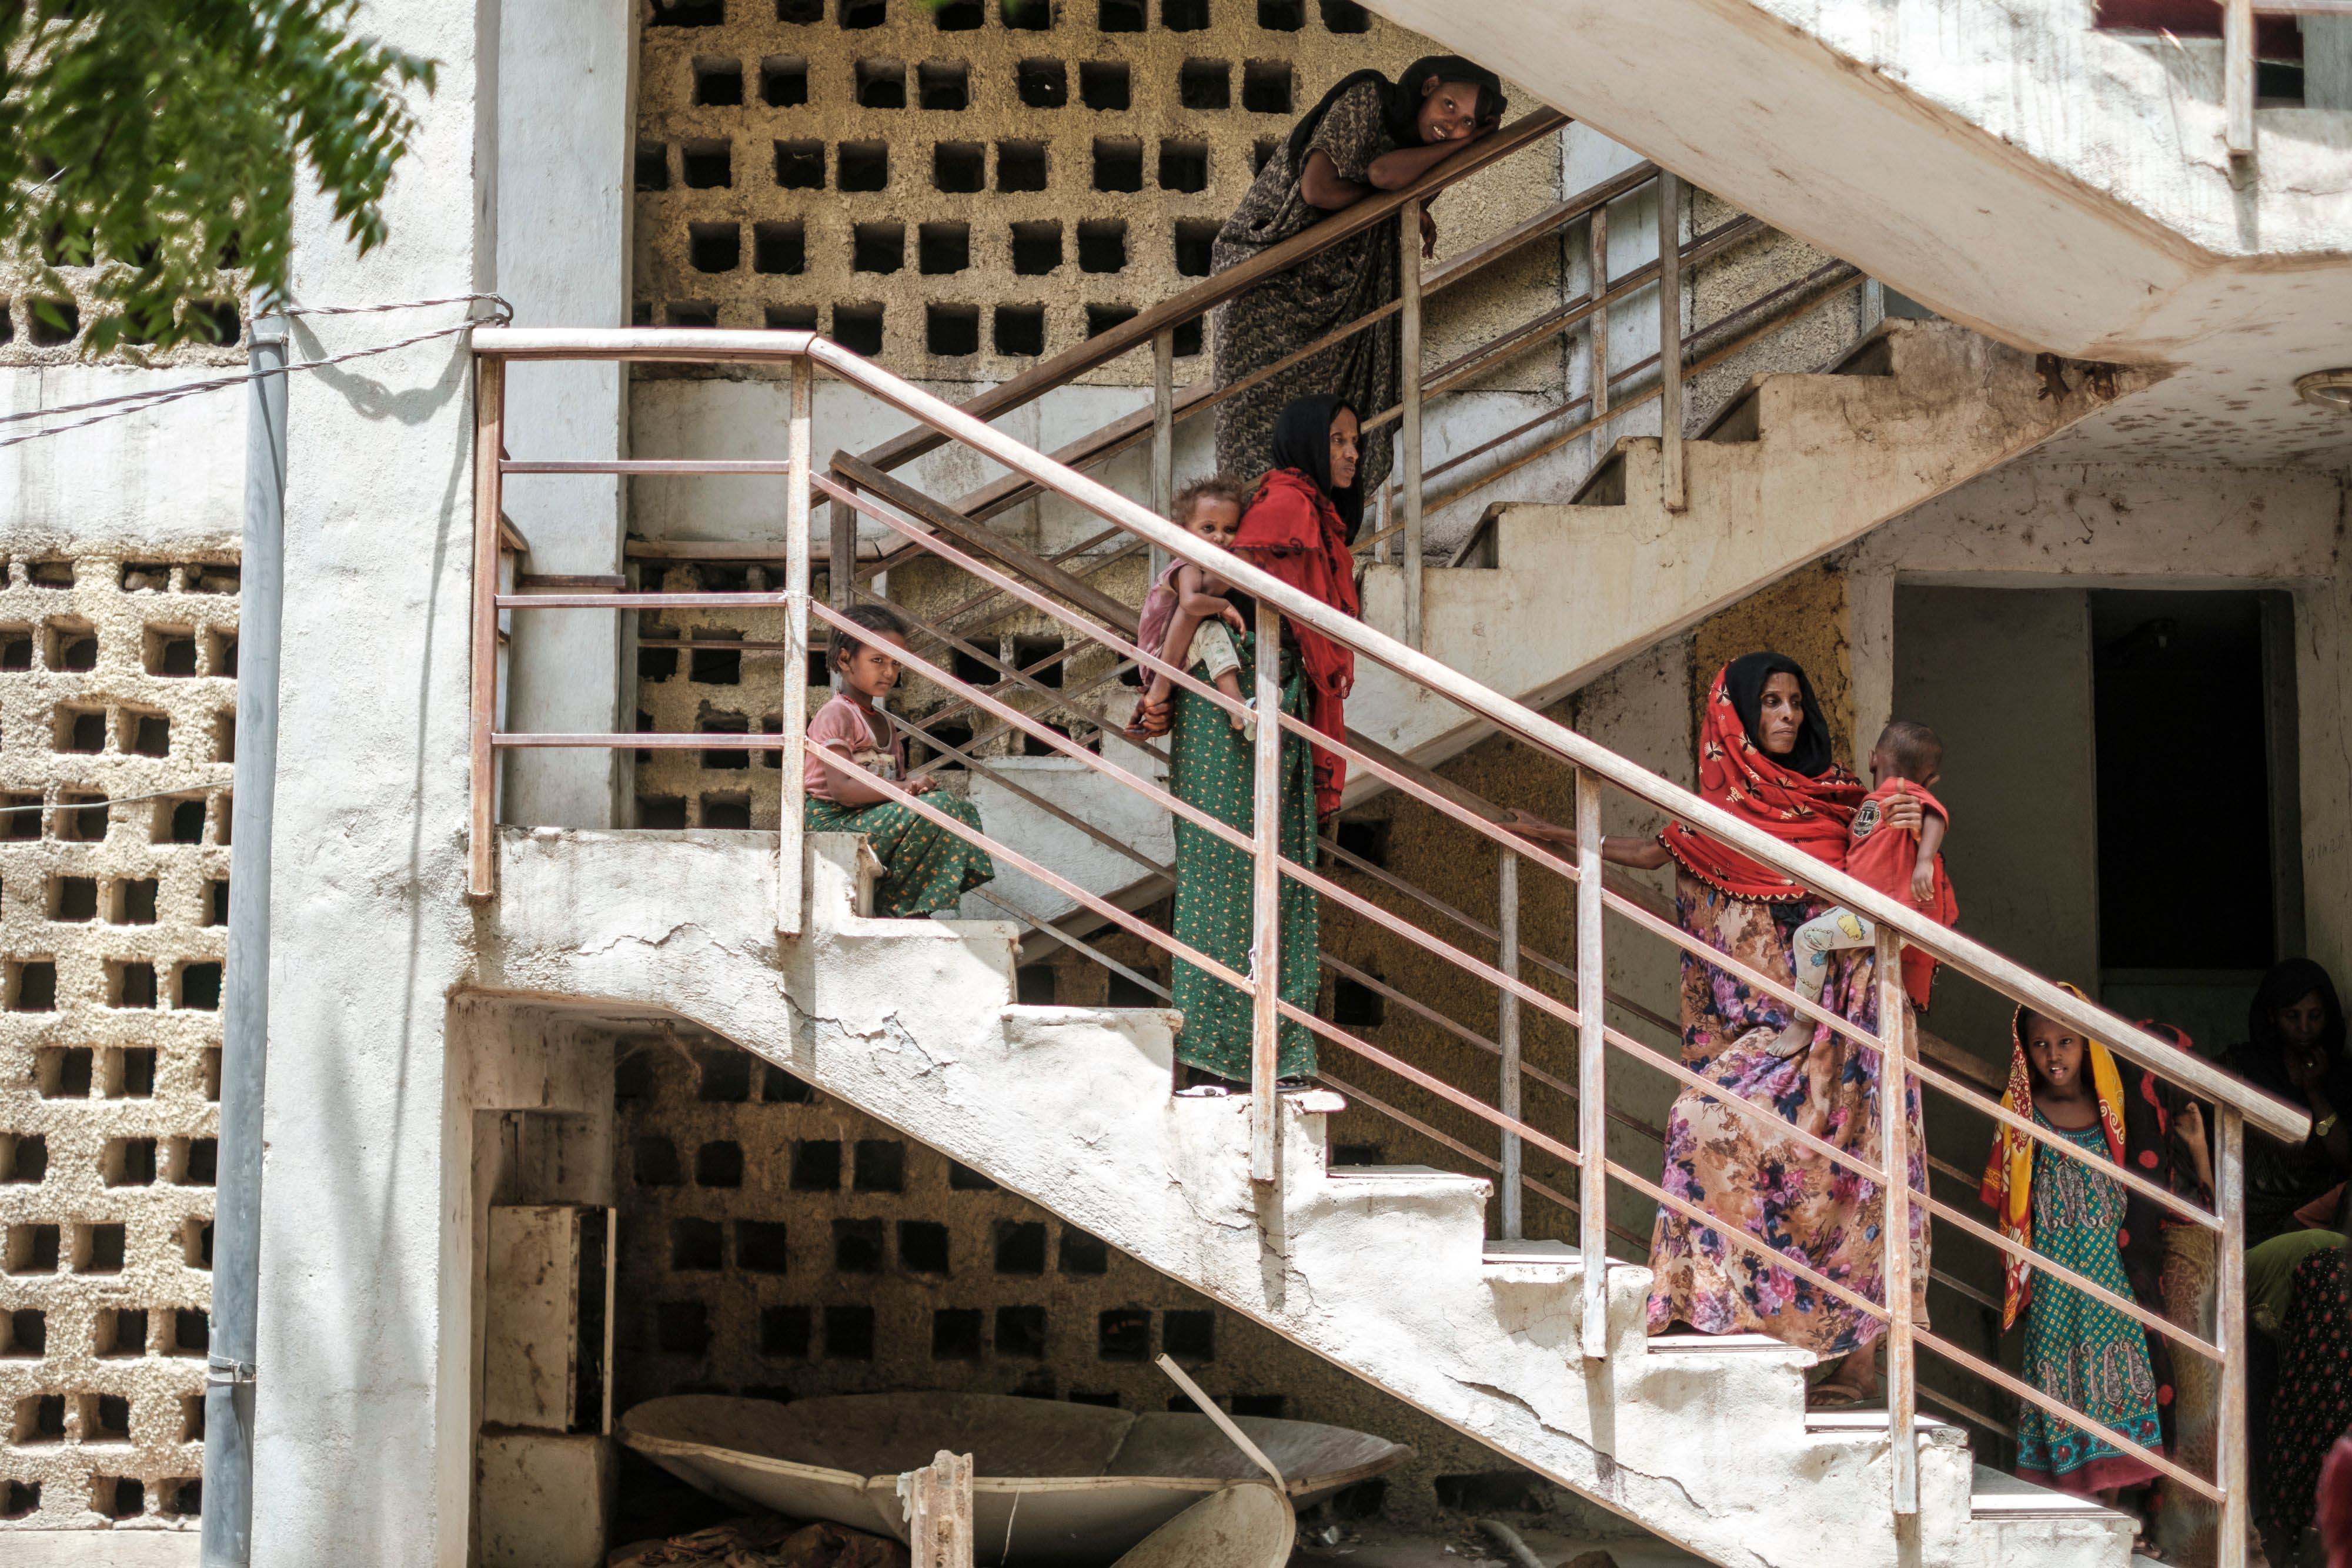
(2193, 698)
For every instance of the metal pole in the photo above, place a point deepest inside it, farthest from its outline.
(1506, 1033)
(1591, 1075)
(2230, 1323)
(1265, 903)
(1894, 1228)
(1670, 341)
(1163, 437)
(1408, 455)
(1596, 331)
(228, 1523)
(489, 504)
(792, 716)
(2238, 78)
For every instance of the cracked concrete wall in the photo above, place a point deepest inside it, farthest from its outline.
(117, 664)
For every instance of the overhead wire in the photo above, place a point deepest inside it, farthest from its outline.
(122, 404)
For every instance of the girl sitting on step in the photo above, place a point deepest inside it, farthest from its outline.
(2078, 1350)
(925, 868)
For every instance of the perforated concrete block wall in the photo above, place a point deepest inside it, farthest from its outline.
(777, 1242)
(719, 672)
(117, 680)
(49, 304)
(960, 188)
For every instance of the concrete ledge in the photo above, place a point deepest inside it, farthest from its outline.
(101, 1547)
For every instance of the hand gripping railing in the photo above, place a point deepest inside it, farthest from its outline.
(1891, 1042)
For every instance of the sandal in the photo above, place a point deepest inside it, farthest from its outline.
(1150, 721)
(1829, 1394)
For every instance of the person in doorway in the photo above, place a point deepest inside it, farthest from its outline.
(2078, 1350)
(1908, 761)
(1187, 620)
(925, 868)
(1368, 134)
(2295, 1048)
(1765, 755)
(1297, 527)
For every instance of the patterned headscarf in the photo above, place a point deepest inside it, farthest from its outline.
(1808, 802)
(2009, 1171)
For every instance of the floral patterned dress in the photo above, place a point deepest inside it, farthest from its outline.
(1733, 1165)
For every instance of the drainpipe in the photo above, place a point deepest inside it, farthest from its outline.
(227, 1510)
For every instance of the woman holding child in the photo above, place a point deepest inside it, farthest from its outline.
(1297, 526)
(1765, 756)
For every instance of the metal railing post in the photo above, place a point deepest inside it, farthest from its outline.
(2230, 1450)
(1163, 436)
(1596, 331)
(2238, 78)
(1895, 1220)
(1408, 443)
(793, 713)
(1265, 902)
(1670, 341)
(840, 572)
(1592, 1074)
(489, 442)
(1506, 1034)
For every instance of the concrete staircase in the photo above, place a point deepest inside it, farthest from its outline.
(1704, 1441)
(1547, 596)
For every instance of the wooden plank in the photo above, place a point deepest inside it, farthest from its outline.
(1597, 285)
(1215, 290)
(490, 433)
(938, 1501)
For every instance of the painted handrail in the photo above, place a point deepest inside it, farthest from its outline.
(2238, 1102)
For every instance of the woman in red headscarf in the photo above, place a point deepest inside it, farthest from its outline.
(1764, 755)
(1297, 528)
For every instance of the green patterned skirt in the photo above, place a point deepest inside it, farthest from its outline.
(1210, 768)
(925, 868)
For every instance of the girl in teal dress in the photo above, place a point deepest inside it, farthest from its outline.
(2078, 1350)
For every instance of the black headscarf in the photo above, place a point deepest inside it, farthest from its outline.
(1302, 439)
(1743, 682)
(2262, 1059)
(1404, 96)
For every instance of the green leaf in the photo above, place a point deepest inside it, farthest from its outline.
(158, 140)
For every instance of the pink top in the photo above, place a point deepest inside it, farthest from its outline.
(842, 725)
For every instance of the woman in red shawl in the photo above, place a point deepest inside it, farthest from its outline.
(1297, 527)
(1764, 753)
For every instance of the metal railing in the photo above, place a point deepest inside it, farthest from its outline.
(1405, 501)
(1092, 617)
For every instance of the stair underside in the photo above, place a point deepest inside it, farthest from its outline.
(912, 1021)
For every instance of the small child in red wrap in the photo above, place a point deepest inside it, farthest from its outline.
(1907, 760)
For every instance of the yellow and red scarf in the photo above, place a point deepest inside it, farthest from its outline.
(2009, 1170)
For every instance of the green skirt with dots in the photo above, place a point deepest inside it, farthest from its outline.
(925, 868)
(1209, 767)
